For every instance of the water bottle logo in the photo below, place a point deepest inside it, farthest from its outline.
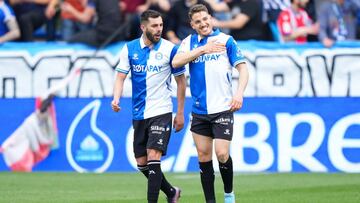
(94, 151)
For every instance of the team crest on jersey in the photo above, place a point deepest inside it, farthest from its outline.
(158, 56)
(135, 56)
(238, 52)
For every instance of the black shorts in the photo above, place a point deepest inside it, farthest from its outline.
(217, 125)
(152, 133)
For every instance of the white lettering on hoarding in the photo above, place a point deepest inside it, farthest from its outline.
(284, 73)
(281, 77)
(286, 124)
(303, 154)
(337, 143)
(256, 142)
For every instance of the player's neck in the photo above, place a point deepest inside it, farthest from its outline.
(147, 42)
(203, 36)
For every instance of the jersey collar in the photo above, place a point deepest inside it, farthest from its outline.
(214, 33)
(142, 44)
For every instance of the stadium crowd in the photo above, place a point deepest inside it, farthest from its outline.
(93, 21)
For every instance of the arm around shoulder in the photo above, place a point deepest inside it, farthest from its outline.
(183, 58)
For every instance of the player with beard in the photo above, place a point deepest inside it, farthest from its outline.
(148, 58)
(211, 56)
(295, 24)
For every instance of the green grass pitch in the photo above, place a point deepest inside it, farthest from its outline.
(131, 187)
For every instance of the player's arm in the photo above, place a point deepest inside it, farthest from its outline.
(300, 31)
(237, 100)
(183, 58)
(13, 33)
(218, 6)
(122, 69)
(181, 88)
(14, 2)
(238, 22)
(118, 89)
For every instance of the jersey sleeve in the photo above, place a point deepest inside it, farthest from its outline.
(185, 45)
(123, 66)
(234, 52)
(8, 13)
(176, 71)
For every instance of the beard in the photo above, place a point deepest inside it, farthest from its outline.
(151, 37)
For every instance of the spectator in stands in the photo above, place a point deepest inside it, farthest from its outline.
(295, 24)
(312, 13)
(9, 29)
(358, 26)
(32, 14)
(76, 16)
(178, 22)
(221, 15)
(246, 22)
(108, 22)
(131, 10)
(161, 6)
(272, 9)
(357, 4)
(337, 21)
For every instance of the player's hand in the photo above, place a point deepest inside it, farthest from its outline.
(236, 103)
(213, 46)
(178, 122)
(327, 42)
(115, 105)
(50, 12)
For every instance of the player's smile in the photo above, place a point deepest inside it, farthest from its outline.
(204, 29)
(202, 23)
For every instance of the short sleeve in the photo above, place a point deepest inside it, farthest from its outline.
(8, 13)
(185, 45)
(234, 52)
(176, 71)
(123, 66)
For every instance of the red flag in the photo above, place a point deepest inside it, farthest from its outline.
(32, 141)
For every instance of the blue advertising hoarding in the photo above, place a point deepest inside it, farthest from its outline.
(270, 135)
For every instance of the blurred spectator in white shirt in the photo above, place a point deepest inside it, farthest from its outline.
(337, 21)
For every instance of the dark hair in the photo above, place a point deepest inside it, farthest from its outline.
(196, 9)
(149, 14)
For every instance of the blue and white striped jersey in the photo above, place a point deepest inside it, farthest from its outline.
(211, 74)
(150, 76)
